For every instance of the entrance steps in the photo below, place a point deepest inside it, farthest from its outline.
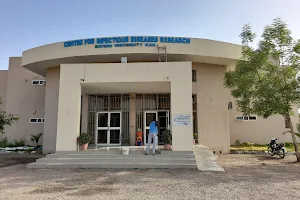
(114, 159)
(206, 160)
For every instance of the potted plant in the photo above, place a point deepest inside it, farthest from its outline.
(84, 139)
(195, 135)
(167, 139)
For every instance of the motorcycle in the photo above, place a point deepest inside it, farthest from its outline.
(276, 149)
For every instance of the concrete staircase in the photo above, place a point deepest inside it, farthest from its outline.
(114, 159)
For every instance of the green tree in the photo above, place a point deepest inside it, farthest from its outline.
(265, 81)
(6, 119)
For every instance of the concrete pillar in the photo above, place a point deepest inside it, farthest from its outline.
(51, 108)
(68, 120)
(213, 116)
(181, 104)
(132, 119)
(84, 113)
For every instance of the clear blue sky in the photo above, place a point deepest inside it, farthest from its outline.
(31, 23)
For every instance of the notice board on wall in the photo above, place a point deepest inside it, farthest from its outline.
(182, 120)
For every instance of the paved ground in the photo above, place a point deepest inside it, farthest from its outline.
(206, 160)
(246, 177)
(9, 159)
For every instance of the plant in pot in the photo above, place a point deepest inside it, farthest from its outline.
(167, 139)
(84, 139)
(195, 135)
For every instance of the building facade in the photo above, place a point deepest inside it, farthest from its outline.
(115, 86)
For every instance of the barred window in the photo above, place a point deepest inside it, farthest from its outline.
(38, 82)
(36, 120)
(246, 118)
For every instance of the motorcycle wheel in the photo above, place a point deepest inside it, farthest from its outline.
(281, 153)
(270, 151)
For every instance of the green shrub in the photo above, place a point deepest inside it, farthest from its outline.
(29, 150)
(247, 144)
(19, 143)
(195, 135)
(4, 143)
(288, 144)
(84, 138)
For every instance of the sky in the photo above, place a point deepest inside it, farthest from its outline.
(31, 23)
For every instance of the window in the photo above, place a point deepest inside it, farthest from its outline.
(33, 120)
(194, 75)
(36, 120)
(245, 118)
(38, 82)
(252, 118)
(35, 82)
(239, 118)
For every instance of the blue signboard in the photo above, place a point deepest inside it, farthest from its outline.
(127, 41)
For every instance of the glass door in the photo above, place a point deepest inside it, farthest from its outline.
(108, 130)
(164, 123)
(149, 116)
(102, 128)
(115, 128)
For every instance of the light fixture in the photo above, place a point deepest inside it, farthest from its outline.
(230, 105)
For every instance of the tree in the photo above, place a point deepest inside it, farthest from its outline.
(265, 81)
(6, 119)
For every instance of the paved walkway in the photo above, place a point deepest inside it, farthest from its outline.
(206, 160)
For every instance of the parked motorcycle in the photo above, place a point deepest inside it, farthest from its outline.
(276, 149)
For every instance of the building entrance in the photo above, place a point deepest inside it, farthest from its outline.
(163, 119)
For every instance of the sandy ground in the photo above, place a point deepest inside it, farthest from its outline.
(246, 177)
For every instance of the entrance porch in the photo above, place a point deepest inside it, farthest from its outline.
(117, 89)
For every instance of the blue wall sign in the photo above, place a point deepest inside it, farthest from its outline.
(127, 41)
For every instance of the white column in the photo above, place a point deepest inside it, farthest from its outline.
(181, 104)
(68, 122)
(132, 119)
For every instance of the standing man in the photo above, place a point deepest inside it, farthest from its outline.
(152, 136)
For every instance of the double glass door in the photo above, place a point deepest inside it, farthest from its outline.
(108, 130)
